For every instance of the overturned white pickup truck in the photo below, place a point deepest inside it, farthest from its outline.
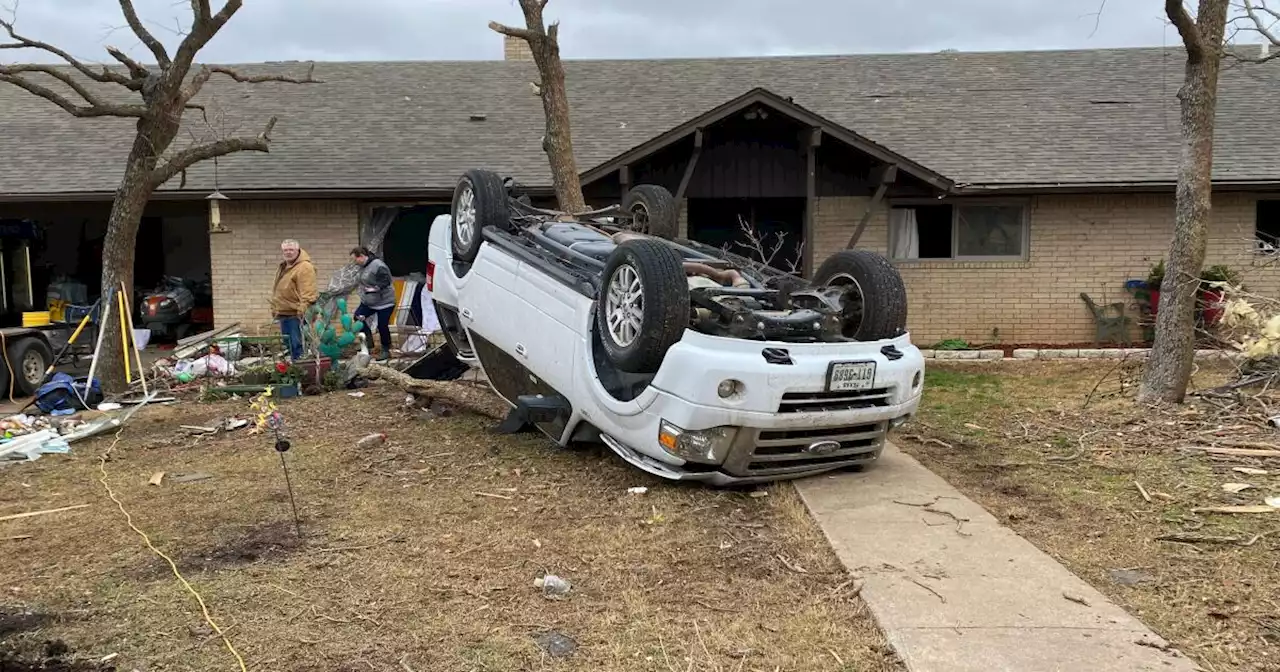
(689, 362)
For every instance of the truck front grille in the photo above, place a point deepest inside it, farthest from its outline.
(798, 449)
(817, 402)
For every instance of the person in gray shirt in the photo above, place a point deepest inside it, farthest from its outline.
(377, 297)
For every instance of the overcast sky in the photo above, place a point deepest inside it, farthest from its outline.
(456, 29)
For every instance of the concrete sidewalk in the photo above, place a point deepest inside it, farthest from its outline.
(958, 592)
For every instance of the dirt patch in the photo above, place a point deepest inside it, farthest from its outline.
(422, 552)
(15, 620)
(1061, 453)
(51, 656)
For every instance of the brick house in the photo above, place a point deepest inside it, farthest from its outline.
(1003, 185)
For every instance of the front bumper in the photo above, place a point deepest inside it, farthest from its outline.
(774, 453)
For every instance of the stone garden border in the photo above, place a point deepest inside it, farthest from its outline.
(1068, 353)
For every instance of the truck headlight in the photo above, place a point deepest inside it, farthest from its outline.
(708, 446)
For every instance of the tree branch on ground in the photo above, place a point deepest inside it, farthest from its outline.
(544, 43)
(167, 89)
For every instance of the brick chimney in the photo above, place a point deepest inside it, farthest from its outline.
(515, 49)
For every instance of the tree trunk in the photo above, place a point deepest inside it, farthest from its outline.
(1168, 371)
(555, 105)
(118, 250)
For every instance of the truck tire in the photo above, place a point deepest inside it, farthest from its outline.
(30, 358)
(876, 306)
(653, 211)
(479, 202)
(643, 307)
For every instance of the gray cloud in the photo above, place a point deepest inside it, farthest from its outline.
(456, 29)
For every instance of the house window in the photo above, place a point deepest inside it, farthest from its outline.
(1266, 227)
(978, 231)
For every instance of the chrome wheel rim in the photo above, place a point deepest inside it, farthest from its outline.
(624, 305)
(33, 367)
(853, 302)
(464, 220)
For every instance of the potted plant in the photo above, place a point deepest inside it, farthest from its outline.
(1154, 279)
(285, 378)
(1212, 292)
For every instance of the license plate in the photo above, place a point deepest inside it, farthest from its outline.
(851, 376)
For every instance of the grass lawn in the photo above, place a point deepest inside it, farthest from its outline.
(1097, 485)
(418, 555)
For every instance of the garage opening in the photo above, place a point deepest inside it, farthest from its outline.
(51, 257)
(405, 231)
(768, 230)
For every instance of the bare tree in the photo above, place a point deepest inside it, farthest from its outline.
(166, 92)
(544, 43)
(1168, 370)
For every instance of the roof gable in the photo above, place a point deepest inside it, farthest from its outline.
(780, 104)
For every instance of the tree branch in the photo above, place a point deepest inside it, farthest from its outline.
(205, 72)
(99, 109)
(157, 49)
(20, 42)
(136, 69)
(202, 30)
(521, 33)
(186, 158)
(1187, 28)
(1259, 26)
(201, 11)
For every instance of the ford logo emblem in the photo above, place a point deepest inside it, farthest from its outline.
(823, 447)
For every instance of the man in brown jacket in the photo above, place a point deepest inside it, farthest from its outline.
(294, 292)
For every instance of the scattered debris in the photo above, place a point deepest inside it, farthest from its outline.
(1251, 471)
(555, 644)
(16, 537)
(493, 496)
(638, 490)
(552, 585)
(372, 440)
(190, 478)
(1273, 502)
(1189, 538)
(156, 478)
(357, 395)
(109, 406)
(1247, 508)
(1075, 598)
(757, 494)
(15, 516)
(1143, 491)
(1238, 452)
(1129, 577)
(1235, 487)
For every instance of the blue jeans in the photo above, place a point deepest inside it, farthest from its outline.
(384, 325)
(291, 327)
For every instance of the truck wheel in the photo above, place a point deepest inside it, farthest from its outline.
(29, 358)
(876, 300)
(643, 307)
(653, 211)
(479, 202)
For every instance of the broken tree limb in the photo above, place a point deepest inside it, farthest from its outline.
(430, 389)
(1238, 452)
(15, 516)
(1186, 538)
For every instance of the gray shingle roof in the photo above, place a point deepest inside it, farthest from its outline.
(1102, 116)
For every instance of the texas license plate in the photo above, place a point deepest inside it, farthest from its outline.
(851, 376)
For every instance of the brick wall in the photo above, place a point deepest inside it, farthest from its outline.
(1078, 244)
(245, 258)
